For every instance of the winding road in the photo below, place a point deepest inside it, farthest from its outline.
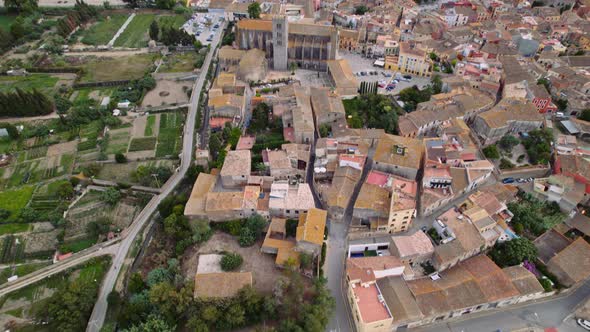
(100, 308)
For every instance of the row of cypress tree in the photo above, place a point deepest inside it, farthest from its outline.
(25, 103)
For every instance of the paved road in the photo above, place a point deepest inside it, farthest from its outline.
(335, 256)
(56, 268)
(552, 312)
(99, 312)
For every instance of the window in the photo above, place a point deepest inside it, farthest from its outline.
(288, 211)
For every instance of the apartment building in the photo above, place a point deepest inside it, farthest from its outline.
(412, 59)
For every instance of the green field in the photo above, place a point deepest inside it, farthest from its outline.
(136, 33)
(21, 270)
(41, 82)
(180, 62)
(169, 138)
(15, 200)
(95, 94)
(142, 144)
(103, 31)
(77, 245)
(14, 228)
(149, 126)
(175, 21)
(119, 68)
(6, 21)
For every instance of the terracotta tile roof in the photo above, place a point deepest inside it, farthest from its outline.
(474, 281)
(415, 244)
(399, 299)
(369, 304)
(196, 202)
(375, 198)
(572, 264)
(248, 24)
(237, 163)
(221, 285)
(386, 151)
(509, 111)
(311, 226)
(525, 282)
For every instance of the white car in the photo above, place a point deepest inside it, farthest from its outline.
(583, 323)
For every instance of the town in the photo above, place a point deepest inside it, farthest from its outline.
(303, 165)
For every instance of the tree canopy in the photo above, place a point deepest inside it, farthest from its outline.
(513, 252)
(254, 10)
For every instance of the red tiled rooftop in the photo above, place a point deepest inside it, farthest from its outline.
(246, 142)
(377, 178)
(372, 310)
(289, 134)
(218, 122)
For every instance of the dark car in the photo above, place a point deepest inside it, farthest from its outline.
(508, 180)
(408, 77)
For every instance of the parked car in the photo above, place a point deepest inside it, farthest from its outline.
(210, 38)
(424, 229)
(382, 84)
(508, 180)
(408, 77)
(584, 323)
(395, 81)
(363, 73)
(387, 75)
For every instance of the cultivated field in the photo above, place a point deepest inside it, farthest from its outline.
(119, 68)
(136, 33)
(101, 32)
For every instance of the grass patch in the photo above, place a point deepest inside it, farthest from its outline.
(136, 33)
(127, 68)
(15, 200)
(181, 62)
(21, 270)
(77, 245)
(41, 82)
(14, 228)
(103, 31)
(149, 126)
(175, 21)
(142, 144)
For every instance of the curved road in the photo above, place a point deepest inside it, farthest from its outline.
(100, 308)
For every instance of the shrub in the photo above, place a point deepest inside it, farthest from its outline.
(505, 164)
(546, 283)
(491, 151)
(120, 158)
(231, 261)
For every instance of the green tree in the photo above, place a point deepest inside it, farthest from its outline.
(437, 84)
(508, 142)
(506, 164)
(65, 190)
(361, 10)
(561, 104)
(120, 158)
(69, 308)
(154, 30)
(17, 29)
(136, 283)
(62, 104)
(111, 196)
(254, 10)
(491, 152)
(98, 227)
(585, 115)
(158, 275)
(513, 252)
(231, 261)
(306, 260)
(27, 6)
(152, 324)
(165, 4)
(260, 118)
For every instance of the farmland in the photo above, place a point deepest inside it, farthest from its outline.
(15, 200)
(175, 21)
(169, 137)
(41, 82)
(127, 68)
(103, 31)
(180, 62)
(136, 33)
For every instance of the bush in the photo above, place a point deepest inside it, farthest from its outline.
(546, 283)
(231, 262)
(120, 158)
(506, 164)
(491, 152)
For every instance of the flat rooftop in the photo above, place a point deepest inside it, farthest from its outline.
(371, 307)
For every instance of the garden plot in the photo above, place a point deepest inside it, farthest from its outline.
(41, 82)
(174, 21)
(122, 172)
(119, 68)
(12, 249)
(36, 152)
(15, 200)
(41, 243)
(62, 148)
(94, 94)
(181, 62)
(169, 138)
(168, 92)
(118, 140)
(79, 218)
(124, 213)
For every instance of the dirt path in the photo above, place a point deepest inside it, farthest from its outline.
(112, 53)
(53, 115)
